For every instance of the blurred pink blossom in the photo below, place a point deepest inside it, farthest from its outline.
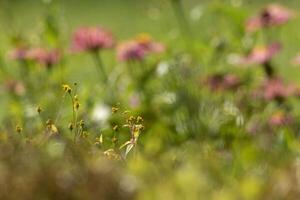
(271, 15)
(44, 57)
(276, 89)
(92, 39)
(130, 50)
(261, 54)
(138, 48)
(280, 119)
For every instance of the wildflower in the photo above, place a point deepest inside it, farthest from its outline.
(130, 50)
(276, 89)
(272, 15)
(44, 57)
(114, 109)
(19, 129)
(149, 45)
(70, 126)
(223, 82)
(261, 54)
(67, 88)
(280, 119)
(39, 109)
(92, 39)
(138, 48)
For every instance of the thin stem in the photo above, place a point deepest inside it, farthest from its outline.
(269, 70)
(182, 21)
(100, 66)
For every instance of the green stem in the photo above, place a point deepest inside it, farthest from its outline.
(100, 66)
(182, 21)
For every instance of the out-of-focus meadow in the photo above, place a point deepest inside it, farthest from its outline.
(150, 99)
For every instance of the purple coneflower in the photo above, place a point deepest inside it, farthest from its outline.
(272, 15)
(276, 89)
(138, 48)
(261, 54)
(92, 39)
(47, 58)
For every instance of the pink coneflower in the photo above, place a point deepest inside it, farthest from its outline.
(149, 45)
(280, 119)
(261, 54)
(130, 50)
(276, 89)
(92, 39)
(44, 57)
(138, 49)
(223, 82)
(271, 15)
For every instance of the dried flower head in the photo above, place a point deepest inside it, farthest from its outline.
(67, 88)
(272, 15)
(92, 39)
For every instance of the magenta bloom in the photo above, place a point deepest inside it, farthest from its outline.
(138, 49)
(272, 15)
(44, 57)
(220, 82)
(262, 54)
(280, 119)
(130, 50)
(92, 39)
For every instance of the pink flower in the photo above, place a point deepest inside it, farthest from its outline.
(272, 15)
(276, 89)
(44, 57)
(138, 49)
(149, 45)
(262, 54)
(280, 119)
(92, 39)
(130, 50)
(223, 82)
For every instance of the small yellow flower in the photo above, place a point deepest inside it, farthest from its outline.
(67, 88)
